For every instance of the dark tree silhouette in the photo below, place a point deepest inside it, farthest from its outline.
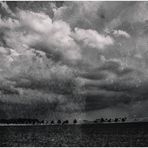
(102, 120)
(52, 122)
(59, 122)
(95, 121)
(65, 122)
(123, 119)
(19, 121)
(42, 122)
(106, 119)
(75, 121)
(116, 120)
(109, 120)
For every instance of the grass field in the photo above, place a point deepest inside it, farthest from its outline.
(117, 134)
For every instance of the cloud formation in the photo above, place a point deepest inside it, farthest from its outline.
(73, 57)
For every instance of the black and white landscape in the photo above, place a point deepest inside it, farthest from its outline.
(73, 70)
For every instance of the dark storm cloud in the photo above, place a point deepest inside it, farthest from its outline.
(6, 90)
(93, 15)
(94, 75)
(46, 7)
(108, 94)
(109, 66)
(53, 84)
(115, 67)
(102, 101)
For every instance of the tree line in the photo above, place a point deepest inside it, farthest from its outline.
(102, 120)
(59, 122)
(34, 121)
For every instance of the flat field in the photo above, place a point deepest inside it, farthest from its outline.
(114, 134)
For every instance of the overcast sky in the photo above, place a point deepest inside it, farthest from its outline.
(73, 59)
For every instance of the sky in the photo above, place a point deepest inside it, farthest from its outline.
(65, 60)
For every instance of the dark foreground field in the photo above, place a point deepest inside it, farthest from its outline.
(119, 134)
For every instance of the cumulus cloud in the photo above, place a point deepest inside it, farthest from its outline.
(118, 33)
(37, 29)
(92, 39)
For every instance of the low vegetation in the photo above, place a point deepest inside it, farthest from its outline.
(59, 122)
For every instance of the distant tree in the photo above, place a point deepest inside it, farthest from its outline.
(65, 122)
(123, 119)
(42, 122)
(135, 119)
(95, 121)
(52, 122)
(59, 122)
(102, 120)
(75, 121)
(106, 119)
(116, 120)
(109, 120)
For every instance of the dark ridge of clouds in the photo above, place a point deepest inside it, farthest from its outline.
(107, 68)
(37, 109)
(3, 12)
(2, 41)
(94, 75)
(116, 86)
(48, 85)
(45, 6)
(94, 15)
(106, 99)
(6, 88)
(51, 54)
(111, 95)
(116, 67)
(6, 91)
